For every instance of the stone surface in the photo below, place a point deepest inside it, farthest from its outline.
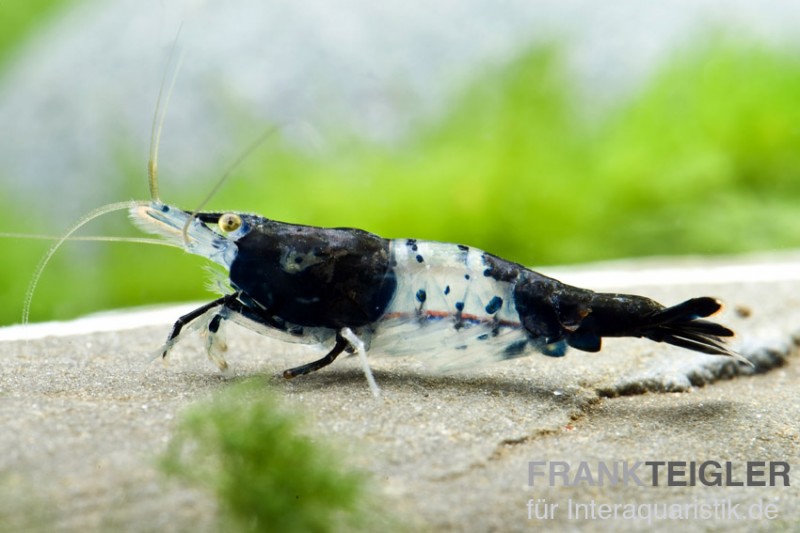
(84, 417)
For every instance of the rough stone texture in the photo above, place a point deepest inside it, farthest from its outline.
(84, 417)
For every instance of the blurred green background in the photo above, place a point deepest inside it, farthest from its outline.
(704, 158)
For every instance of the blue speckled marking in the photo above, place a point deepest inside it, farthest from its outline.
(421, 296)
(494, 305)
(460, 306)
(447, 290)
(419, 259)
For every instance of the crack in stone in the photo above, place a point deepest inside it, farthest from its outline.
(765, 356)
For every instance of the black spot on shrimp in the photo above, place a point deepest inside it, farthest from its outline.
(459, 316)
(494, 305)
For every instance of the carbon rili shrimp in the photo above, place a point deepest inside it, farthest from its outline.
(359, 290)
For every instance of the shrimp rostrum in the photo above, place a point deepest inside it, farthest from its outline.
(355, 291)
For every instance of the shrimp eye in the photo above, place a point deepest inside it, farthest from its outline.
(229, 222)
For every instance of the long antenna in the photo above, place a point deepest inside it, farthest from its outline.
(109, 208)
(238, 161)
(158, 119)
(90, 238)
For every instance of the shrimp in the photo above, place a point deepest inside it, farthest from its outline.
(359, 291)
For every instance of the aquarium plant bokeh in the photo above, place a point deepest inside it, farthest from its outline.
(251, 453)
(703, 158)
